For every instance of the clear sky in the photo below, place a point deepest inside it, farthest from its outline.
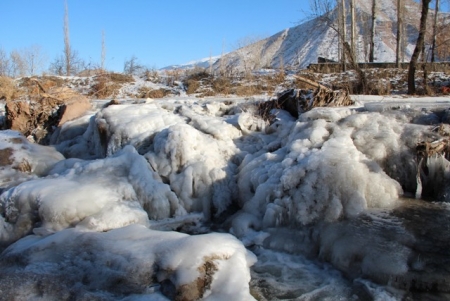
(158, 32)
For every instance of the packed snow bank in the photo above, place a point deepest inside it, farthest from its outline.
(129, 261)
(97, 195)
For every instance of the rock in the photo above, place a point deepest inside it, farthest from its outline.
(74, 110)
(18, 116)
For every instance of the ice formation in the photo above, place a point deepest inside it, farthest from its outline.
(325, 185)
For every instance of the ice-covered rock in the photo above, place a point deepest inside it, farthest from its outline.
(21, 160)
(98, 195)
(129, 261)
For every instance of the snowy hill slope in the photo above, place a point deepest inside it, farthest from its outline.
(301, 45)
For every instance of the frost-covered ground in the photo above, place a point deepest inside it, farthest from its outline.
(185, 198)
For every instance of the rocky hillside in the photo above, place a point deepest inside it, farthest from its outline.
(301, 45)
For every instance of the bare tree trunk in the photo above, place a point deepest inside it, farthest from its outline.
(343, 33)
(102, 64)
(67, 50)
(372, 33)
(353, 30)
(399, 49)
(419, 46)
(433, 52)
(362, 80)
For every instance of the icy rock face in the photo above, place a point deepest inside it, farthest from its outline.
(97, 195)
(129, 261)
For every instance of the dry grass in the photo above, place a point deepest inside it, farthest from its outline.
(249, 90)
(195, 80)
(120, 78)
(221, 85)
(109, 84)
(146, 92)
(192, 86)
(8, 89)
(33, 87)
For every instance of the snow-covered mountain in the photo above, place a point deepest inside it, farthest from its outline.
(202, 63)
(301, 45)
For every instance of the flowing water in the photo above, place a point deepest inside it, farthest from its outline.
(400, 254)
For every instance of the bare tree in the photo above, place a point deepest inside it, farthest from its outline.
(249, 53)
(399, 48)
(18, 64)
(132, 66)
(443, 41)
(328, 13)
(419, 46)
(353, 28)
(58, 65)
(343, 32)
(372, 32)
(103, 56)
(435, 24)
(5, 64)
(67, 49)
(34, 59)
(322, 9)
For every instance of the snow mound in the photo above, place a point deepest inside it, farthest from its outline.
(320, 174)
(97, 195)
(197, 166)
(22, 160)
(132, 260)
(120, 125)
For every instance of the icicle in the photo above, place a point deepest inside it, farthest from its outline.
(419, 181)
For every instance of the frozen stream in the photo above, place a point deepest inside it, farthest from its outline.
(202, 199)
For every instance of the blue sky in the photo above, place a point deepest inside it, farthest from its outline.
(157, 32)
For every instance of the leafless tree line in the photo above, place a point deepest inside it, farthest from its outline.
(438, 43)
(27, 61)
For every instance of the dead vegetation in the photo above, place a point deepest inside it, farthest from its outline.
(108, 84)
(8, 89)
(146, 92)
(40, 117)
(297, 101)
